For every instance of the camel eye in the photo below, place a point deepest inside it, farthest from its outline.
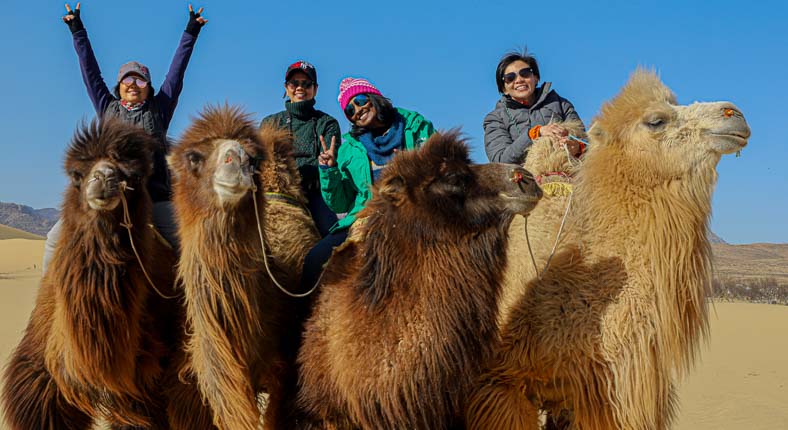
(76, 178)
(656, 122)
(455, 179)
(195, 160)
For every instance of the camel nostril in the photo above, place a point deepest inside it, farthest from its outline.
(517, 177)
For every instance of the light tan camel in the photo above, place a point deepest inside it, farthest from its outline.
(243, 329)
(621, 310)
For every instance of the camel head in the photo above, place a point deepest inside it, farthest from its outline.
(106, 158)
(215, 161)
(437, 186)
(660, 139)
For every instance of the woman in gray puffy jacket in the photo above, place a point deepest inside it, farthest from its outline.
(525, 112)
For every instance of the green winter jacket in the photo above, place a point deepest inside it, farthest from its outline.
(346, 186)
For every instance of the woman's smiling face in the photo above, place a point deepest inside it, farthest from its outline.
(365, 116)
(296, 87)
(131, 92)
(521, 88)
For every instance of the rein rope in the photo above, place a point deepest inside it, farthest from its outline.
(128, 225)
(265, 256)
(563, 219)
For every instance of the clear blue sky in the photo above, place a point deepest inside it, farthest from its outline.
(436, 57)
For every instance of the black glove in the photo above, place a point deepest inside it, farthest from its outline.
(75, 23)
(193, 27)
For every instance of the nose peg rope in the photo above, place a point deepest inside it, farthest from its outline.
(127, 224)
(563, 219)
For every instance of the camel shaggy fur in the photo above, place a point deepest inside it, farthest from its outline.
(405, 315)
(620, 312)
(239, 321)
(100, 341)
(554, 171)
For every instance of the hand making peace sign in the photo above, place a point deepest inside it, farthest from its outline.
(328, 157)
(72, 19)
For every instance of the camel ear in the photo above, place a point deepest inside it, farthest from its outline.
(171, 164)
(393, 189)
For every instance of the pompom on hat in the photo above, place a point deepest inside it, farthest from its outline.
(351, 87)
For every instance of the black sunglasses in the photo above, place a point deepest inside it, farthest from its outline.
(303, 83)
(525, 72)
(360, 100)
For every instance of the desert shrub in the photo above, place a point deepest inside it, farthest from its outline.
(755, 290)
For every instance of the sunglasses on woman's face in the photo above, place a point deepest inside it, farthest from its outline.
(303, 83)
(360, 100)
(128, 80)
(525, 72)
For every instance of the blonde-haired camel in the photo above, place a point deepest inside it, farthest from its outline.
(621, 310)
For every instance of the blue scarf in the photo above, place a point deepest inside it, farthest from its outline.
(380, 149)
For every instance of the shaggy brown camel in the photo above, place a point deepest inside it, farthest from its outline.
(405, 316)
(243, 335)
(621, 310)
(102, 341)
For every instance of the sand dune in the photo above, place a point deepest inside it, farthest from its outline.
(740, 383)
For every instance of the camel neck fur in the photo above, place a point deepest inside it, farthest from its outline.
(392, 244)
(658, 225)
(98, 299)
(221, 252)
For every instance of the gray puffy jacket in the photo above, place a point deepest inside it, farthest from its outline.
(506, 127)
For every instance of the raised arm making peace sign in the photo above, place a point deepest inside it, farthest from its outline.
(134, 100)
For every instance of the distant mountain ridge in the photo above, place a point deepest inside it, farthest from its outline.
(713, 238)
(25, 218)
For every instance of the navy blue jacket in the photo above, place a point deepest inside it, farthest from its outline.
(155, 117)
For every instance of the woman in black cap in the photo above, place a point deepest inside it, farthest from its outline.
(307, 125)
(133, 100)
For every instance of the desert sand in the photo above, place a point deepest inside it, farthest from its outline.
(740, 382)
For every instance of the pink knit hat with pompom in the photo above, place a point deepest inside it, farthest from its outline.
(351, 87)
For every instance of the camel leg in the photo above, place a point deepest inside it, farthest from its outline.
(500, 403)
(31, 398)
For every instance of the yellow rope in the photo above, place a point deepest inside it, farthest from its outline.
(557, 189)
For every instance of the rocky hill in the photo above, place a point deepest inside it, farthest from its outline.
(36, 221)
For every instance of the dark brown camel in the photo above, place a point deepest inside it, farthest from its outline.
(406, 315)
(241, 324)
(100, 341)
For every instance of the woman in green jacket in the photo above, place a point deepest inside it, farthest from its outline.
(347, 172)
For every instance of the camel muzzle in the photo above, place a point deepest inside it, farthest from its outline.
(730, 131)
(233, 175)
(519, 189)
(102, 190)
